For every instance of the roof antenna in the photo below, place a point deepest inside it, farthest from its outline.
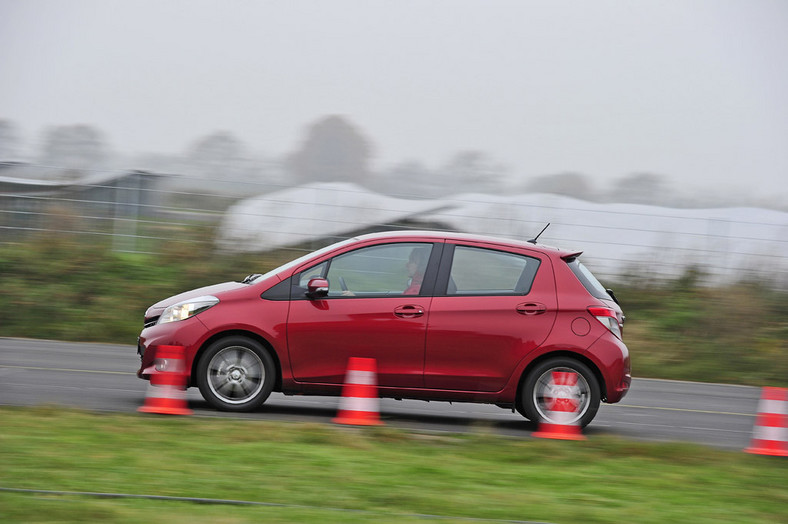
(534, 239)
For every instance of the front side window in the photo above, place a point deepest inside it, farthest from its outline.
(384, 270)
(478, 271)
(319, 271)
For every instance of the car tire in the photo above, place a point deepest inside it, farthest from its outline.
(541, 391)
(236, 374)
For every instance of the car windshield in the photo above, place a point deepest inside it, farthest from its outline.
(300, 260)
(588, 280)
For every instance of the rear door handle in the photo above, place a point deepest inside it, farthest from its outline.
(409, 311)
(531, 308)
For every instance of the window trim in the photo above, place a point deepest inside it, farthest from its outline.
(427, 286)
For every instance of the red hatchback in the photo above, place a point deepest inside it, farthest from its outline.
(446, 316)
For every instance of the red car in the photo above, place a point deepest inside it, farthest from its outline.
(446, 316)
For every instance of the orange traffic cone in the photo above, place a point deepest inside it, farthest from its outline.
(359, 405)
(770, 434)
(166, 393)
(563, 409)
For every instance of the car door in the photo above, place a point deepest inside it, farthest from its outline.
(492, 307)
(374, 308)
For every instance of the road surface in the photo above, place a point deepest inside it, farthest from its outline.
(101, 377)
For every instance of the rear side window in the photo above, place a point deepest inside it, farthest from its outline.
(588, 280)
(478, 271)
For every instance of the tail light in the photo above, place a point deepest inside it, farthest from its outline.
(608, 318)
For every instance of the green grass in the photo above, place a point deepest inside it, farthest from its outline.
(337, 474)
(685, 330)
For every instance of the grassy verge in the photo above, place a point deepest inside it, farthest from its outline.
(685, 330)
(334, 474)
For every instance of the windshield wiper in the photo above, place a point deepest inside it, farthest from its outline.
(250, 278)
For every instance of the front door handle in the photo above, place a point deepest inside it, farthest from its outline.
(409, 311)
(531, 308)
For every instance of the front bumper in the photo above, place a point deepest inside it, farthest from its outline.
(187, 334)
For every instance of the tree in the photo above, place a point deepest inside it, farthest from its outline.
(221, 164)
(333, 150)
(572, 185)
(74, 147)
(640, 188)
(411, 179)
(474, 171)
(218, 155)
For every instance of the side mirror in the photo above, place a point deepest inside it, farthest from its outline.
(317, 288)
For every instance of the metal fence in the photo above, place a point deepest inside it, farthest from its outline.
(141, 212)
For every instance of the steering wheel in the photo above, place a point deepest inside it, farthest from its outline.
(342, 283)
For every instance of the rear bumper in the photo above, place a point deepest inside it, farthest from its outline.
(611, 356)
(620, 390)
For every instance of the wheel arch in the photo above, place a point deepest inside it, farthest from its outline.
(563, 354)
(242, 333)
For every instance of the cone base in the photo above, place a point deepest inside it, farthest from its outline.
(356, 421)
(767, 451)
(559, 432)
(165, 411)
(557, 436)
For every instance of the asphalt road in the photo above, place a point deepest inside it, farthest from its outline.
(101, 377)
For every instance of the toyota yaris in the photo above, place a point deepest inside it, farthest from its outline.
(447, 317)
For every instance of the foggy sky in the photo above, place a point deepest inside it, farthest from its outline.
(694, 90)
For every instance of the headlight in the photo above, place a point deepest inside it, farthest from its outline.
(187, 308)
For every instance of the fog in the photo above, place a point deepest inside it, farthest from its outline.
(696, 92)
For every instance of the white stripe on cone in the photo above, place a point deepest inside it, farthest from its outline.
(364, 405)
(361, 378)
(170, 392)
(775, 407)
(772, 433)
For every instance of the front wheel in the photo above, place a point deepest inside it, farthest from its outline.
(561, 391)
(235, 374)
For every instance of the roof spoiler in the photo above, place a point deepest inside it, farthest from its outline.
(570, 257)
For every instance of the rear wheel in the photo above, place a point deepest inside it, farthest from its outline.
(236, 374)
(561, 390)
